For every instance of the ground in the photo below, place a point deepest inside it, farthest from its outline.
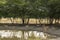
(49, 29)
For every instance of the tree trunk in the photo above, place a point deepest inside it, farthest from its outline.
(51, 21)
(0, 20)
(47, 21)
(55, 21)
(36, 21)
(12, 21)
(58, 20)
(39, 21)
(23, 21)
(28, 21)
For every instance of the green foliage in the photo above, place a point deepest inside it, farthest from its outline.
(30, 8)
(54, 9)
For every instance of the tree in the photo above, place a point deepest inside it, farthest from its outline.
(54, 10)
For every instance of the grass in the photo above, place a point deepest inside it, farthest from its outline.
(15, 38)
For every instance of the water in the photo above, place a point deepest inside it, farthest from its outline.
(21, 35)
